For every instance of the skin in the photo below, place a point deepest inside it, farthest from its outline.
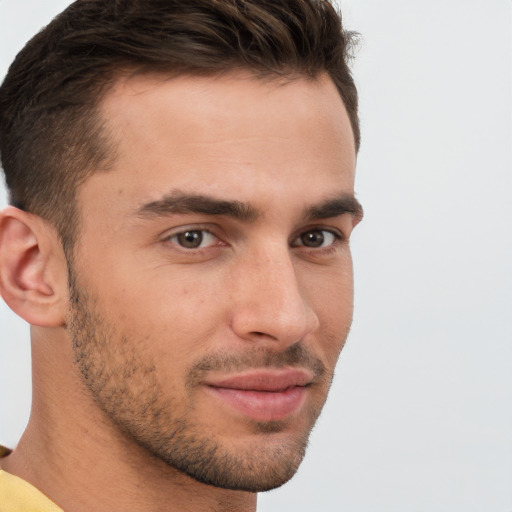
(125, 354)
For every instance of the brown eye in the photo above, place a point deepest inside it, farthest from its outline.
(190, 239)
(193, 239)
(316, 239)
(313, 238)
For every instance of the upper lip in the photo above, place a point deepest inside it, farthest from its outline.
(264, 380)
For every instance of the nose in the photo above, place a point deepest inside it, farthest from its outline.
(269, 304)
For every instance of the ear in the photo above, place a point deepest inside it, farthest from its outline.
(33, 269)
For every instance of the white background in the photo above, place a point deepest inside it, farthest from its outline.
(420, 415)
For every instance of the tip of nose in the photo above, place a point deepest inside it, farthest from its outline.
(279, 328)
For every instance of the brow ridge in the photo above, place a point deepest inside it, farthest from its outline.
(180, 202)
(334, 207)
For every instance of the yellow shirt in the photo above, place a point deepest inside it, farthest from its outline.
(16, 495)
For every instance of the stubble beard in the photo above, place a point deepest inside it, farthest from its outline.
(122, 380)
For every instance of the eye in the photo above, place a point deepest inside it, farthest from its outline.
(316, 238)
(193, 239)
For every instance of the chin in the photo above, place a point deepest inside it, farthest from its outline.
(258, 472)
(259, 464)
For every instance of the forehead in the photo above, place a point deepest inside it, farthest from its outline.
(210, 108)
(229, 133)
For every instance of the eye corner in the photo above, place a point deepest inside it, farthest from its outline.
(318, 238)
(192, 239)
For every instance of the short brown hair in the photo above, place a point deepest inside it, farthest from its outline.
(51, 137)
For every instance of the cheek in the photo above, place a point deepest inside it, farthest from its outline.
(330, 287)
(176, 315)
(153, 291)
(330, 295)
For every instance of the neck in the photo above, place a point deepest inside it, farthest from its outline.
(72, 453)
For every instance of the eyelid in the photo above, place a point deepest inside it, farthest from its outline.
(336, 233)
(170, 234)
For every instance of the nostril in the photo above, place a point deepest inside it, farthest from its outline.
(258, 334)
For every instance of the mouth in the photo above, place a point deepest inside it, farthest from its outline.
(263, 395)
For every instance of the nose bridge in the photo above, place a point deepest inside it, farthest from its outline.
(269, 301)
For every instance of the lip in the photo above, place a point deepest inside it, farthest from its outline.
(263, 395)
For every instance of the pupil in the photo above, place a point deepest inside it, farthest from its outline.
(190, 239)
(313, 239)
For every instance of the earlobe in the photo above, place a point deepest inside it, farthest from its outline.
(33, 275)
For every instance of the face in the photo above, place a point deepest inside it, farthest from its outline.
(212, 279)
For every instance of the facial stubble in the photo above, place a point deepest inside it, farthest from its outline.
(122, 379)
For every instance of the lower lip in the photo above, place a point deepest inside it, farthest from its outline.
(263, 405)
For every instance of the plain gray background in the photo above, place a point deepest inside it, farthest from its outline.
(420, 414)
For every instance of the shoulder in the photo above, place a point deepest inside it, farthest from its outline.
(19, 496)
(4, 451)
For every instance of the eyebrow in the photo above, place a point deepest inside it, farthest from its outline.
(180, 202)
(335, 207)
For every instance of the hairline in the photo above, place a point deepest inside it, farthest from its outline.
(98, 119)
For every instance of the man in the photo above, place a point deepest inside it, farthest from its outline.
(181, 178)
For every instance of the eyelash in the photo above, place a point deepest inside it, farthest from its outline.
(337, 238)
(195, 229)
